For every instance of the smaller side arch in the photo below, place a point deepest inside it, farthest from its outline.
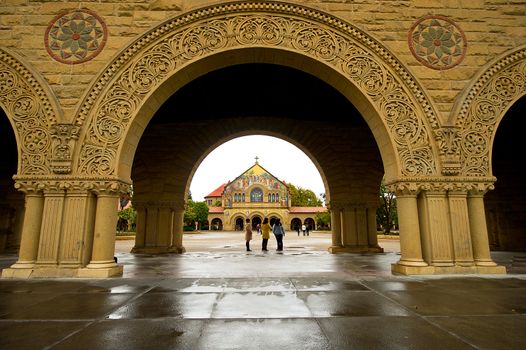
(32, 111)
(481, 108)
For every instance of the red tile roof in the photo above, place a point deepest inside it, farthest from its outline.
(307, 209)
(216, 210)
(218, 192)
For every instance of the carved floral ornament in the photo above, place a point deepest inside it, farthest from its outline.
(26, 103)
(160, 53)
(437, 42)
(75, 36)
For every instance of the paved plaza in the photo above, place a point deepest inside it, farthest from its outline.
(217, 296)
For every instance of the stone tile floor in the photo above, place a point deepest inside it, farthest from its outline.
(299, 299)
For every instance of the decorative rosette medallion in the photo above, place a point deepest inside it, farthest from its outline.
(75, 36)
(437, 42)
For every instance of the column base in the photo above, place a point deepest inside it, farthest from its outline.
(157, 250)
(105, 272)
(17, 272)
(399, 268)
(177, 250)
(40, 271)
(354, 249)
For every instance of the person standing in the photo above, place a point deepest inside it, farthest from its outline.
(303, 228)
(248, 234)
(265, 234)
(278, 232)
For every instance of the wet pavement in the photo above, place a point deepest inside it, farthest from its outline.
(302, 298)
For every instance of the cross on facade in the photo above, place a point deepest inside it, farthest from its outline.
(257, 159)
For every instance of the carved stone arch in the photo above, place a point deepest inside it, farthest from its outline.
(28, 103)
(500, 84)
(113, 115)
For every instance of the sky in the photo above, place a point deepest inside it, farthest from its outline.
(281, 158)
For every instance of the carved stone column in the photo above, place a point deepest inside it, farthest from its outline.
(372, 237)
(336, 228)
(411, 261)
(77, 233)
(27, 255)
(438, 229)
(459, 217)
(102, 262)
(479, 232)
(140, 234)
(54, 196)
(177, 231)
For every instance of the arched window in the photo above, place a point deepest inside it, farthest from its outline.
(243, 198)
(277, 197)
(256, 195)
(273, 197)
(269, 199)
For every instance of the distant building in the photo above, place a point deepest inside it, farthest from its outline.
(256, 194)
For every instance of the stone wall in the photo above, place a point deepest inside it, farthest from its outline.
(491, 27)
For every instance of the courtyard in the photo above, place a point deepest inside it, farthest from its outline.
(217, 296)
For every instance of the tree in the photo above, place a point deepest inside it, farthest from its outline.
(196, 212)
(301, 197)
(387, 214)
(323, 220)
(129, 215)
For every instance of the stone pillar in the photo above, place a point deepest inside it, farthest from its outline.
(362, 239)
(439, 229)
(77, 234)
(336, 228)
(411, 261)
(459, 217)
(177, 231)
(372, 237)
(30, 234)
(102, 262)
(164, 227)
(479, 231)
(50, 232)
(140, 234)
(349, 238)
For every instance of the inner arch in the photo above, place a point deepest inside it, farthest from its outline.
(220, 65)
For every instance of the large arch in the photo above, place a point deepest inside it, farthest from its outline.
(113, 119)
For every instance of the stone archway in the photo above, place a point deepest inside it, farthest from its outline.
(34, 115)
(483, 106)
(113, 121)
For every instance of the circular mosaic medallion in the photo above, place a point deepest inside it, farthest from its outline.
(75, 36)
(437, 42)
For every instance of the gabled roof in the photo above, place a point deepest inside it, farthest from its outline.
(257, 169)
(218, 192)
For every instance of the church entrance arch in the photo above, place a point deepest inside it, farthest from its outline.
(217, 225)
(256, 220)
(240, 224)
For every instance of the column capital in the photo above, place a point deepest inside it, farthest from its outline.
(47, 183)
(439, 184)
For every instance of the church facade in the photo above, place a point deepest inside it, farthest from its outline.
(256, 194)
